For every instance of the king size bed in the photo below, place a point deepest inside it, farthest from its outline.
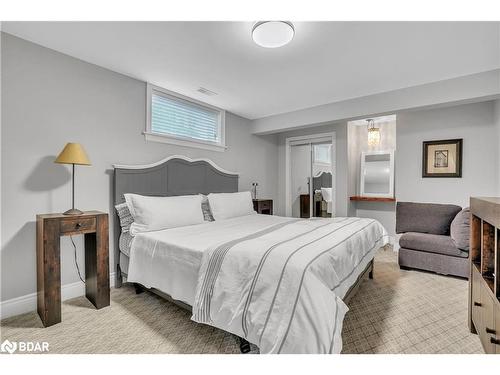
(279, 283)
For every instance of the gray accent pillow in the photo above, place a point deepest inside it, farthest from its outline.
(460, 229)
(425, 217)
(125, 243)
(125, 216)
(205, 207)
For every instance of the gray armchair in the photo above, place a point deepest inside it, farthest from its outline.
(427, 242)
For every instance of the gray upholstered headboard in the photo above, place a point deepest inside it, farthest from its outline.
(175, 175)
(323, 180)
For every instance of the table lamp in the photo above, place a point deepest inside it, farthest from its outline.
(73, 153)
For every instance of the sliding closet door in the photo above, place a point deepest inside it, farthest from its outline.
(300, 180)
(322, 179)
(310, 187)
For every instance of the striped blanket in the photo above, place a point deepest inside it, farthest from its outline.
(281, 288)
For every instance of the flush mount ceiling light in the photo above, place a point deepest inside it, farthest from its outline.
(273, 34)
(373, 133)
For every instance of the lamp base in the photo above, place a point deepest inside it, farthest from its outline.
(73, 211)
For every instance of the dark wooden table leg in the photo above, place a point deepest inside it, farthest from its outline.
(97, 264)
(48, 272)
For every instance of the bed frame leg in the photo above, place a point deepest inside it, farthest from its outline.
(138, 288)
(370, 274)
(244, 345)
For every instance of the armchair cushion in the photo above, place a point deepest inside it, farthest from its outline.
(431, 243)
(425, 217)
(460, 229)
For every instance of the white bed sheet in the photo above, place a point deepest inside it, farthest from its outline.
(169, 260)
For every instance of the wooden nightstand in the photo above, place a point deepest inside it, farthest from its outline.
(263, 206)
(49, 229)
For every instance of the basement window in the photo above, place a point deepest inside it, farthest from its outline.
(179, 120)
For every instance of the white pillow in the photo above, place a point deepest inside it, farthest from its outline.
(227, 205)
(327, 194)
(157, 213)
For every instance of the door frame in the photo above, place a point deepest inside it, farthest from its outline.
(288, 172)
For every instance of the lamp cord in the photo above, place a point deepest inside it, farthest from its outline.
(76, 261)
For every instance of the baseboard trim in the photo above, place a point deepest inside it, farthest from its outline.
(27, 303)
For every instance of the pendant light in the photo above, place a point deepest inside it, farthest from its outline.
(373, 133)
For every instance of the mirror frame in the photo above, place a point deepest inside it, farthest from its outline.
(362, 174)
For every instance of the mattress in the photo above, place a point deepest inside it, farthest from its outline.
(170, 260)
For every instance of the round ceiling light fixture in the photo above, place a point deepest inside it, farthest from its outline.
(273, 34)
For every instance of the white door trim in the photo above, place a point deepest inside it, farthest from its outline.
(288, 146)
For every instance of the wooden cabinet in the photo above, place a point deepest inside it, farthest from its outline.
(484, 281)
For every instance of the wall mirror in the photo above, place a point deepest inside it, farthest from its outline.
(377, 174)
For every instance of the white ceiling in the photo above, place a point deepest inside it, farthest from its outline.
(325, 62)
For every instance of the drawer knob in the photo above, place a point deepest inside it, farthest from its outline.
(78, 225)
(494, 341)
(477, 304)
(489, 330)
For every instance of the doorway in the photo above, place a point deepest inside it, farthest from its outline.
(310, 176)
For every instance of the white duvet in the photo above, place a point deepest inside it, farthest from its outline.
(278, 282)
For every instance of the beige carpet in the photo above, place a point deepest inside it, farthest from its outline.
(408, 312)
(397, 312)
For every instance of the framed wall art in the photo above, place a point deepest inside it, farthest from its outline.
(442, 158)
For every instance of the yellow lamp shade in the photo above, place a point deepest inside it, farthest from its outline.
(73, 153)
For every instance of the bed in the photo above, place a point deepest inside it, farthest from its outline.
(280, 283)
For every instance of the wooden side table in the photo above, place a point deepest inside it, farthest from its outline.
(263, 206)
(49, 228)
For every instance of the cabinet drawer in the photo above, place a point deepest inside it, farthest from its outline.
(476, 298)
(78, 225)
(487, 321)
(265, 205)
(497, 328)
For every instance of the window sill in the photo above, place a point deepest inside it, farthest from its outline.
(184, 143)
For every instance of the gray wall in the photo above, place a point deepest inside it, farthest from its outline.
(474, 123)
(50, 99)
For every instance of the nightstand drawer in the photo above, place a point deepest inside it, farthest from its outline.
(77, 225)
(265, 205)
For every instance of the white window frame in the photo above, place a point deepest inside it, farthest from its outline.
(321, 163)
(178, 140)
